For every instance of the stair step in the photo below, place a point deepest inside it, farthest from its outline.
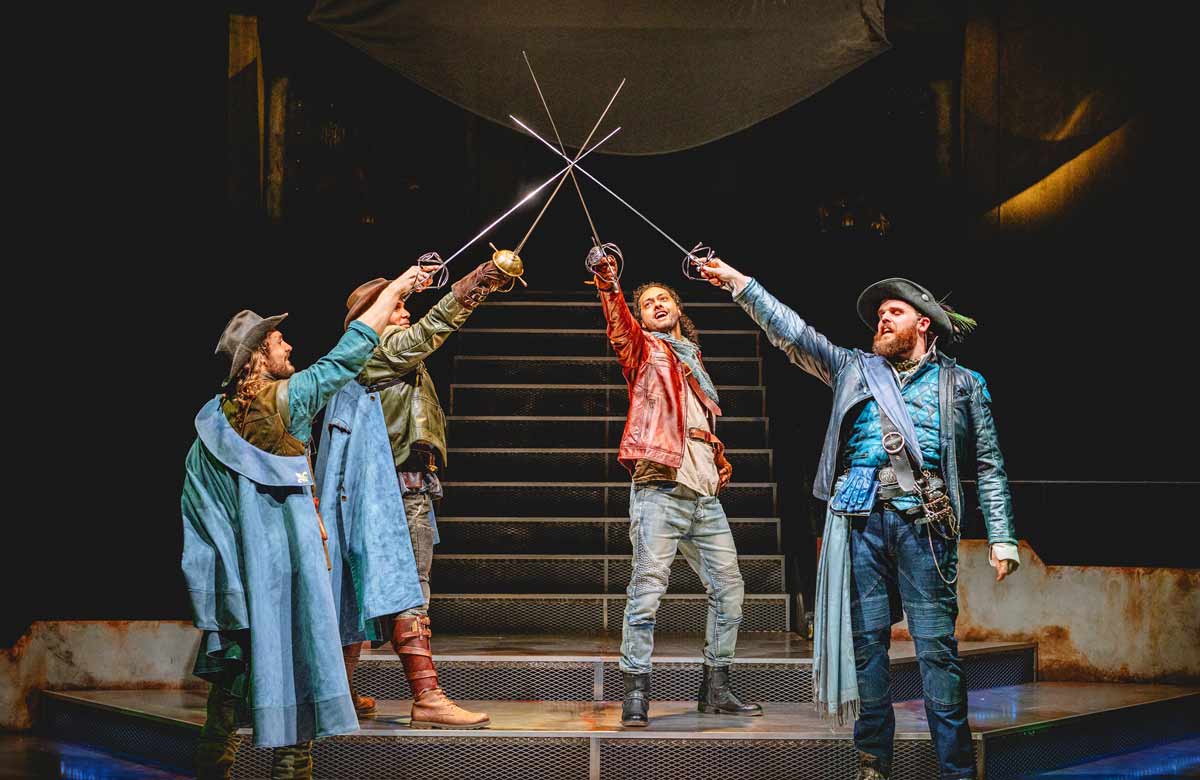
(577, 314)
(586, 433)
(584, 400)
(561, 463)
(583, 342)
(1016, 731)
(509, 573)
(587, 370)
(562, 535)
(770, 667)
(473, 613)
(583, 499)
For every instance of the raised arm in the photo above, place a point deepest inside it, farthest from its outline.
(624, 332)
(803, 345)
(309, 390)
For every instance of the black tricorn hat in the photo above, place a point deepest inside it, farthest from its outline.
(943, 320)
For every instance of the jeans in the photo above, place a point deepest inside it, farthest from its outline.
(891, 565)
(664, 517)
(417, 507)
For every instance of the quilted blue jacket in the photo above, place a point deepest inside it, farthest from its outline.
(966, 429)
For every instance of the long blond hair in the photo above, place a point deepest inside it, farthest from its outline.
(250, 381)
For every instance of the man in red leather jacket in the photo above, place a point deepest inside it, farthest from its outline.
(678, 466)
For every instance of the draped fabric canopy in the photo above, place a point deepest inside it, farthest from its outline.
(696, 71)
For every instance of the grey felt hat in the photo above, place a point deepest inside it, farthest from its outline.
(943, 320)
(243, 334)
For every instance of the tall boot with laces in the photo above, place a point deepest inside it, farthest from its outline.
(432, 708)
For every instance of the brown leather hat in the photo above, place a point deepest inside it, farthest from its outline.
(361, 299)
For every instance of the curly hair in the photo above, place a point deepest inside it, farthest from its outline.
(250, 380)
(685, 322)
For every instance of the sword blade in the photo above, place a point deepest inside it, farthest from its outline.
(562, 147)
(550, 200)
(522, 201)
(602, 186)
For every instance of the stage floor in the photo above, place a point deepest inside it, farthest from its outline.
(758, 646)
(993, 712)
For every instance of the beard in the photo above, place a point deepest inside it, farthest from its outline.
(897, 344)
(665, 325)
(280, 370)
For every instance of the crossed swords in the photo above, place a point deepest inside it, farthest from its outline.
(693, 259)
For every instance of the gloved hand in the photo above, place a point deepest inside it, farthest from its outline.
(473, 289)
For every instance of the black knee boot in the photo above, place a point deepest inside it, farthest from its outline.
(635, 710)
(716, 698)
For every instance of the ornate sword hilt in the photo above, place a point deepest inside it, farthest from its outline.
(598, 252)
(696, 259)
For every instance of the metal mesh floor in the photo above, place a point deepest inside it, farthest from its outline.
(753, 759)
(509, 464)
(579, 574)
(581, 499)
(584, 680)
(536, 369)
(595, 536)
(587, 314)
(588, 433)
(583, 613)
(583, 400)
(1018, 731)
(577, 342)
(141, 739)
(433, 758)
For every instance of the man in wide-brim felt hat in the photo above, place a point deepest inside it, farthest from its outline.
(389, 421)
(253, 552)
(894, 499)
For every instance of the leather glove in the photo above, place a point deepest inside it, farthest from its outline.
(473, 289)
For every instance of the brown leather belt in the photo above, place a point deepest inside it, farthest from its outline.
(699, 434)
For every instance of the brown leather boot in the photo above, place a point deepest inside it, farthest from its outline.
(363, 705)
(432, 709)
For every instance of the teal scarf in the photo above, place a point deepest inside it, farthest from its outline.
(689, 353)
(835, 679)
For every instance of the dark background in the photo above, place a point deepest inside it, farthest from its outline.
(1086, 334)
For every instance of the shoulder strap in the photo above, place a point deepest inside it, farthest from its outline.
(281, 403)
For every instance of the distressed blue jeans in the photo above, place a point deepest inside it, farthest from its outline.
(891, 565)
(665, 517)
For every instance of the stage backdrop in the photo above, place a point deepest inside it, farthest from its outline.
(701, 70)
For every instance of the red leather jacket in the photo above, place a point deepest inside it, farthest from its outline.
(654, 428)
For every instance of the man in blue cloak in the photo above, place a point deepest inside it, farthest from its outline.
(254, 554)
(906, 420)
(383, 444)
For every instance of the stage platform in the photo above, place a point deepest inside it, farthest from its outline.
(770, 667)
(1018, 730)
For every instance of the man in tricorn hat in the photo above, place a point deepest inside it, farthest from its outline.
(904, 418)
(253, 552)
(389, 422)
(678, 467)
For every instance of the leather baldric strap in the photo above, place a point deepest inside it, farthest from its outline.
(897, 452)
